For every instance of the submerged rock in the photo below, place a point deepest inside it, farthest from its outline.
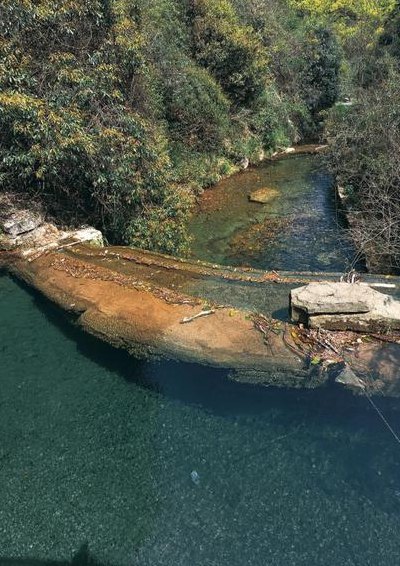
(348, 378)
(344, 306)
(264, 195)
(195, 477)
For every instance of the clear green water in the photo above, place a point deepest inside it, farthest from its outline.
(311, 238)
(97, 449)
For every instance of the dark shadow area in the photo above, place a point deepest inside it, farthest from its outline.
(81, 558)
(212, 389)
(282, 314)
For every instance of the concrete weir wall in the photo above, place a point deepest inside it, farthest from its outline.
(155, 305)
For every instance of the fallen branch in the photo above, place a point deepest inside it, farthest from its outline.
(68, 245)
(326, 344)
(198, 315)
(390, 339)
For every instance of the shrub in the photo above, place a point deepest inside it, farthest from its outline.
(229, 50)
(365, 157)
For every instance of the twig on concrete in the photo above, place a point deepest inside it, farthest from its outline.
(196, 316)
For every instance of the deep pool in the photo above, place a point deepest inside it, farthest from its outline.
(97, 452)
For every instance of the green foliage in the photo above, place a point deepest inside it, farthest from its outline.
(271, 120)
(320, 74)
(350, 16)
(162, 226)
(228, 49)
(115, 111)
(390, 37)
(70, 130)
(196, 109)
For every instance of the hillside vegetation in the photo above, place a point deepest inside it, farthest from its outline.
(115, 112)
(118, 112)
(365, 144)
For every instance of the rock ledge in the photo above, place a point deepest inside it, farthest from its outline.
(344, 306)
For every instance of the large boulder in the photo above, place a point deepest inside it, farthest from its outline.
(344, 306)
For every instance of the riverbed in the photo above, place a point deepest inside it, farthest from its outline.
(299, 229)
(151, 464)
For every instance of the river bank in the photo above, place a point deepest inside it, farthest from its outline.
(376, 260)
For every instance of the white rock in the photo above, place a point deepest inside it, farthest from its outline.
(88, 235)
(344, 306)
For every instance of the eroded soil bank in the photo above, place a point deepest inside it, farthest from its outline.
(138, 301)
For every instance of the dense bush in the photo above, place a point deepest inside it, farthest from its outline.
(114, 112)
(196, 109)
(365, 157)
(320, 73)
(365, 137)
(228, 49)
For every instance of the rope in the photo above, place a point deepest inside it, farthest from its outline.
(382, 416)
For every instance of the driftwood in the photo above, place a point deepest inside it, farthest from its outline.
(198, 315)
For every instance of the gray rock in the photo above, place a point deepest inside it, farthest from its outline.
(323, 298)
(244, 163)
(20, 222)
(344, 306)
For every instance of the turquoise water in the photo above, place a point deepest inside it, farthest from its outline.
(97, 452)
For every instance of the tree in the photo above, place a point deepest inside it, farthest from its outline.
(365, 158)
(320, 73)
(228, 49)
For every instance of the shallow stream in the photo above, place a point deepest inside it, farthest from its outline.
(299, 229)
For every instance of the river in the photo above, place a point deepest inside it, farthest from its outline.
(111, 461)
(300, 229)
(98, 452)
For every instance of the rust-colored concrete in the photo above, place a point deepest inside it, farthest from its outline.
(118, 301)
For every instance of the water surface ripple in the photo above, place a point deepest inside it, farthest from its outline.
(300, 229)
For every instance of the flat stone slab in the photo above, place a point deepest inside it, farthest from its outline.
(344, 306)
(264, 195)
(330, 298)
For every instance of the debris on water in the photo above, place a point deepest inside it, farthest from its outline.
(195, 477)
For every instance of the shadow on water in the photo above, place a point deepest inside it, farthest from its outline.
(212, 390)
(81, 558)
